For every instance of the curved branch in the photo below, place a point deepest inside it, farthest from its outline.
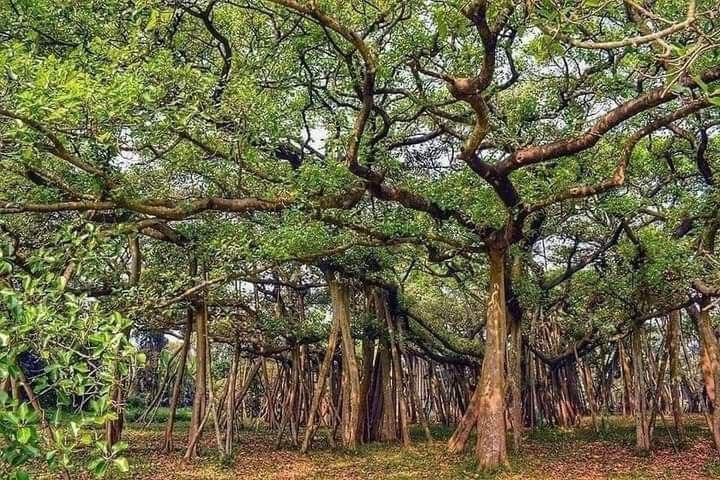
(627, 42)
(616, 116)
(618, 176)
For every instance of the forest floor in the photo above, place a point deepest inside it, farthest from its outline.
(566, 454)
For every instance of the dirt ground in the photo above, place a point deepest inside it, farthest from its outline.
(578, 453)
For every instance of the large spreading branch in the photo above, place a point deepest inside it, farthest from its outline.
(165, 209)
(618, 176)
(223, 44)
(57, 146)
(570, 146)
(690, 19)
(375, 181)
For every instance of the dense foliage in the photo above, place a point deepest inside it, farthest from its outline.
(481, 185)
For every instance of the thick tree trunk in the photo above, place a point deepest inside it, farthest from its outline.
(462, 432)
(515, 351)
(339, 295)
(710, 365)
(384, 314)
(114, 428)
(491, 448)
(200, 398)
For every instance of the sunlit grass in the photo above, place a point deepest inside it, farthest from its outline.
(547, 453)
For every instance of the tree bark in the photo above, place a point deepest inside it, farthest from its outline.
(586, 376)
(368, 363)
(339, 295)
(167, 446)
(642, 422)
(628, 403)
(200, 397)
(320, 386)
(515, 376)
(710, 365)
(247, 382)
(462, 432)
(674, 353)
(491, 448)
(177, 387)
(384, 313)
(398, 382)
(148, 414)
(419, 408)
(230, 400)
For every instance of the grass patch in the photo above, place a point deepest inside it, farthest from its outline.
(712, 468)
(547, 454)
(183, 414)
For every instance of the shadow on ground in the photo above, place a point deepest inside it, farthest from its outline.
(564, 454)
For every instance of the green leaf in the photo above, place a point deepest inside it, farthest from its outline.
(153, 20)
(22, 475)
(700, 83)
(23, 435)
(23, 411)
(442, 29)
(122, 464)
(140, 358)
(119, 447)
(98, 467)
